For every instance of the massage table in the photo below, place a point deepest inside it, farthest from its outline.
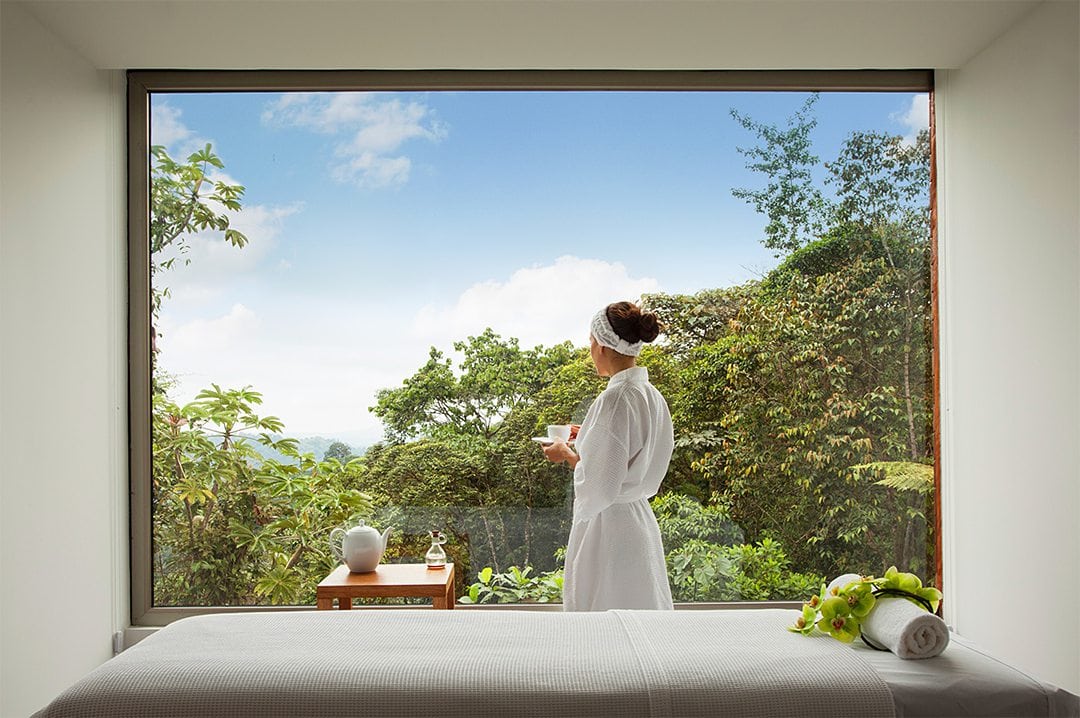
(408, 662)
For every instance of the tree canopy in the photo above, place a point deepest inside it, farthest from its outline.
(801, 402)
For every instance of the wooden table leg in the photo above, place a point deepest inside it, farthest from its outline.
(446, 601)
(345, 604)
(323, 603)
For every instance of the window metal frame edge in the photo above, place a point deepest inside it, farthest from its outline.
(140, 85)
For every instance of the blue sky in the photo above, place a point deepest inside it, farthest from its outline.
(382, 224)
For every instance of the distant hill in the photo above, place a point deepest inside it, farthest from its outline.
(316, 445)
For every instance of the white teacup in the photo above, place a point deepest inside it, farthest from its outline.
(559, 431)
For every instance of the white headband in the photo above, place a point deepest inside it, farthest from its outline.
(605, 336)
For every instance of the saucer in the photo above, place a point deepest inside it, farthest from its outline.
(546, 440)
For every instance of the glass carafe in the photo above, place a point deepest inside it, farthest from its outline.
(436, 556)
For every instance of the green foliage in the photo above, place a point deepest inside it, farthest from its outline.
(883, 181)
(801, 406)
(515, 586)
(795, 207)
(833, 252)
(230, 528)
(903, 475)
(495, 378)
(700, 571)
(683, 519)
(788, 387)
(690, 321)
(185, 200)
(795, 395)
(705, 563)
(762, 572)
(459, 455)
(708, 561)
(338, 450)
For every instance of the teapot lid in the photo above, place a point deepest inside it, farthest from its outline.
(361, 527)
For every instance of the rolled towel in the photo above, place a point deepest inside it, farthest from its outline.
(906, 629)
(841, 581)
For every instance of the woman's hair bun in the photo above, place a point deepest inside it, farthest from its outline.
(632, 324)
(649, 326)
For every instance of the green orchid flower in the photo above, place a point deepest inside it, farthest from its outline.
(932, 595)
(804, 624)
(912, 584)
(860, 598)
(837, 621)
(902, 581)
(815, 601)
(839, 611)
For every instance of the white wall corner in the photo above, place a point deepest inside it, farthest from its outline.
(1009, 248)
(944, 305)
(62, 268)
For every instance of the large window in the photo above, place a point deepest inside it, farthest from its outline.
(358, 296)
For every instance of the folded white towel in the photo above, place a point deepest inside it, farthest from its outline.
(906, 629)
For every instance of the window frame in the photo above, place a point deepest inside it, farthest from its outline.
(142, 83)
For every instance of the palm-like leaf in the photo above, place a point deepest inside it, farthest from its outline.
(902, 475)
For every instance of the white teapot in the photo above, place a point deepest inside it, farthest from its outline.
(361, 547)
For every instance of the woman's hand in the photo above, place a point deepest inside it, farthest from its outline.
(559, 452)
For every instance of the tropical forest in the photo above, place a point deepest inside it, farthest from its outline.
(801, 401)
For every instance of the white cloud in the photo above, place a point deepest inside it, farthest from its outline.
(319, 376)
(916, 118)
(165, 125)
(376, 129)
(211, 337)
(215, 263)
(322, 373)
(538, 305)
(368, 169)
(166, 128)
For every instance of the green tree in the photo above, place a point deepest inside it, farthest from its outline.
(795, 207)
(883, 188)
(229, 528)
(459, 445)
(796, 395)
(801, 408)
(338, 450)
(185, 200)
(825, 366)
(495, 378)
(692, 320)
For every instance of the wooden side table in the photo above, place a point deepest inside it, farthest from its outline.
(388, 580)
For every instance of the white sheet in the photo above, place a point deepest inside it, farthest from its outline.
(966, 681)
(416, 663)
(676, 664)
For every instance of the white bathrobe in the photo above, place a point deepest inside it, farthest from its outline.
(615, 558)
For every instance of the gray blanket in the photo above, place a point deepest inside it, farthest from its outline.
(467, 663)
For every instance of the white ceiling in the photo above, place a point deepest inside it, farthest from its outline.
(548, 34)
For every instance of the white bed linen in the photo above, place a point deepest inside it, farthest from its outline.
(677, 664)
(966, 681)
(416, 663)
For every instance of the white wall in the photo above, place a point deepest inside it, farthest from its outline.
(1010, 254)
(61, 365)
(496, 34)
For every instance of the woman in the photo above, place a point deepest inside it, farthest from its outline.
(615, 558)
